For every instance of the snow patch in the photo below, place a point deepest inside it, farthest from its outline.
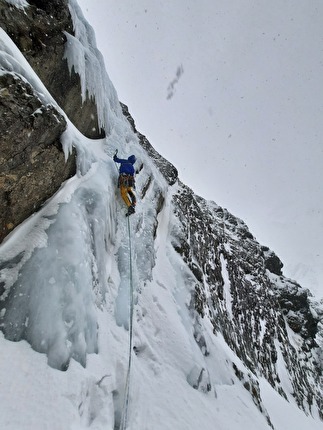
(21, 4)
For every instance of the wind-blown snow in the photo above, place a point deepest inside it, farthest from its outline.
(69, 274)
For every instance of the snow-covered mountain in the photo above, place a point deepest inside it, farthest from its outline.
(233, 88)
(174, 318)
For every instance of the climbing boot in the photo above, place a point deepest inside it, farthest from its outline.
(131, 210)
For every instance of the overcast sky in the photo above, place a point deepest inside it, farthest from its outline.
(231, 92)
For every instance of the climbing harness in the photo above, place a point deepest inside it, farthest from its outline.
(126, 180)
(124, 417)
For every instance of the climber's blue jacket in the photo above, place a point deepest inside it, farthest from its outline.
(126, 166)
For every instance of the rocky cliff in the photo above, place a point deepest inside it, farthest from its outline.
(32, 165)
(266, 318)
(40, 32)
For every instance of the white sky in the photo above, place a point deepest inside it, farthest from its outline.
(244, 125)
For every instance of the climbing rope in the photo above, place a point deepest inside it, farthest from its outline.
(124, 418)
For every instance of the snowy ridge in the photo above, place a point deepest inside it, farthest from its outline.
(212, 346)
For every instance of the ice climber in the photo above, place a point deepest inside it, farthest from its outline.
(126, 181)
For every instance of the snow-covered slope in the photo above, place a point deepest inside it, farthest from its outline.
(220, 339)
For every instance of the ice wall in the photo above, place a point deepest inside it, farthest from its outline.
(56, 268)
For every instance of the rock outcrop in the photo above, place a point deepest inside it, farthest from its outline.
(239, 286)
(32, 162)
(38, 31)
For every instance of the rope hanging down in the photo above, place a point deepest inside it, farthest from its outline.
(124, 418)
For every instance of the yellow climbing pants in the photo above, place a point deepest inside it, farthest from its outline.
(127, 195)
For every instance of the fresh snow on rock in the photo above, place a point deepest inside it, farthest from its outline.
(18, 3)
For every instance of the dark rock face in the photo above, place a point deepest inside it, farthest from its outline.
(296, 307)
(240, 288)
(32, 163)
(272, 262)
(38, 33)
